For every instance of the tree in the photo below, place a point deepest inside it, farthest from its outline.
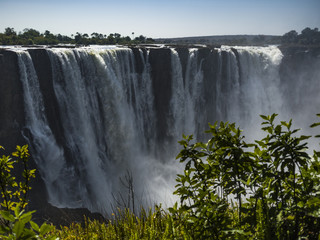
(10, 32)
(141, 39)
(110, 39)
(309, 36)
(265, 190)
(30, 36)
(30, 33)
(117, 37)
(290, 37)
(78, 37)
(49, 35)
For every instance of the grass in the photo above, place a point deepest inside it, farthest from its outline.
(150, 224)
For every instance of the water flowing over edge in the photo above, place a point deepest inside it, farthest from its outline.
(109, 122)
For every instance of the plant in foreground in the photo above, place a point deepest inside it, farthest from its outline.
(265, 190)
(15, 222)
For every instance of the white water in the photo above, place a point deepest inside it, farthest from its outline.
(48, 154)
(107, 113)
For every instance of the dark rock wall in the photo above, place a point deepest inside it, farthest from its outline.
(209, 60)
(160, 63)
(11, 102)
(300, 67)
(42, 64)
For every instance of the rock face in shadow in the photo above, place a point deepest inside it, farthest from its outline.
(160, 63)
(42, 65)
(11, 102)
(300, 68)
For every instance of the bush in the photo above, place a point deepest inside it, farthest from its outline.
(265, 190)
(15, 222)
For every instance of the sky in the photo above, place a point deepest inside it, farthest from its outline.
(162, 18)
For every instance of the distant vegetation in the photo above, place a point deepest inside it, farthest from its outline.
(308, 36)
(240, 40)
(30, 36)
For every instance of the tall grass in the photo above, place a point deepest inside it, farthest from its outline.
(150, 224)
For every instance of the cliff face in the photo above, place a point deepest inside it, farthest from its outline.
(12, 122)
(160, 63)
(300, 67)
(42, 64)
(11, 102)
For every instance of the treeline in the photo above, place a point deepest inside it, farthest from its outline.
(307, 36)
(30, 36)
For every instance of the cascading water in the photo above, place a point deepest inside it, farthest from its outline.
(48, 155)
(107, 115)
(253, 85)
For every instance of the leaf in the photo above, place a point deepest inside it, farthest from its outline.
(17, 212)
(278, 130)
(315, 125)
(273, 117)
(29, 234)
(7, 216)
(27, 217)
(34, 226)
(303, 137)
(44, 229)
(264, 117)
(283, 123)
(291, 218)
(248, 181)
(18, 229)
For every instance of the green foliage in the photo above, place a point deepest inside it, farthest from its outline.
(31, 36)
(15, 223)
(308, 36)
(124, 224)
(265, 190)
(15, 193)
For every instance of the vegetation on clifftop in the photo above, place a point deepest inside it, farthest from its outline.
(30, 36)
(307, 36)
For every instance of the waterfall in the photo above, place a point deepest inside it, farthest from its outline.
(107, 115)
(253, 86)
(48, 155)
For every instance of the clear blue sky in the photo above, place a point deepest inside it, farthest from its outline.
(162, 18)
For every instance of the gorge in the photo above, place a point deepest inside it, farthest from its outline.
(92, 114)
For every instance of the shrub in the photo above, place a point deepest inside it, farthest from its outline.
(15, 222)
(265, 190)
